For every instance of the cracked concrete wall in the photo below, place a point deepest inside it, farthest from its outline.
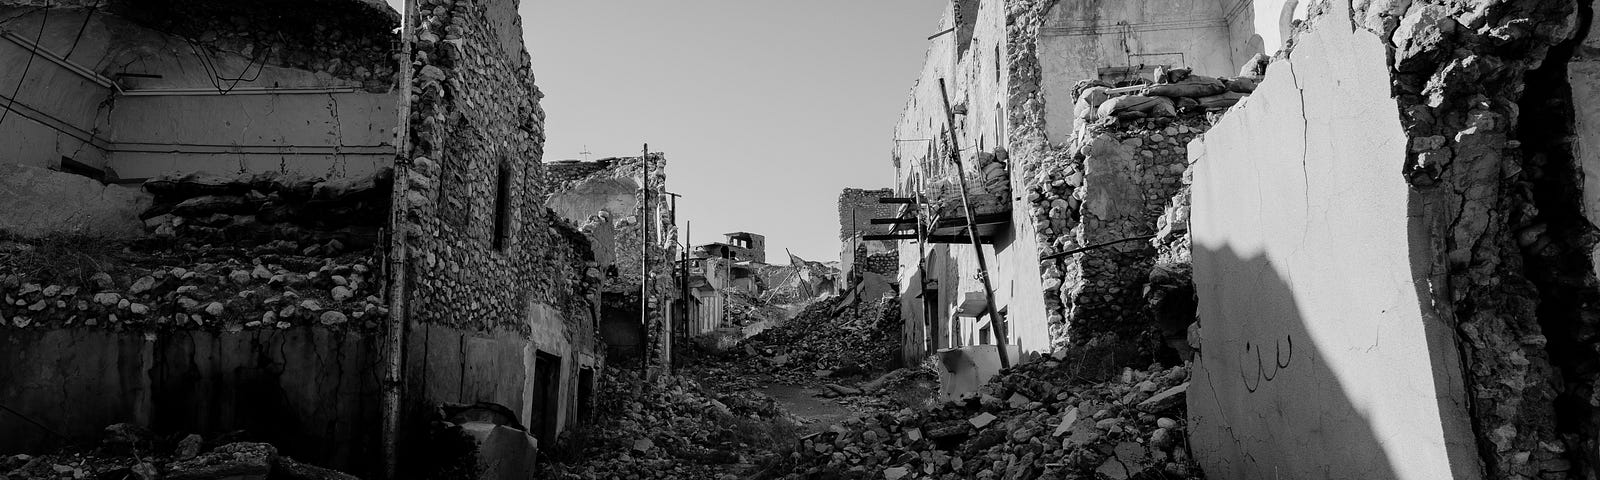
(1079, 39)
(1301, 371)
(328, 108)
(308, 389)
(55, 112)
(1583, 75)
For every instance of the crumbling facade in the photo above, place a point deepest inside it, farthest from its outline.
(606, 199)
(860, 258)
(255, 248)
(1375, 210)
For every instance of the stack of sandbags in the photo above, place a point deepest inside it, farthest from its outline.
(1174, 90)
(242, 205)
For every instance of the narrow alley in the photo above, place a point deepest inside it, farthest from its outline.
(1072, 240)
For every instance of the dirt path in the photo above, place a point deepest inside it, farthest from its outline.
(818, 413)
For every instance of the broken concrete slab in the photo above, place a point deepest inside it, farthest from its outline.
(1166, 400)
(36, 202)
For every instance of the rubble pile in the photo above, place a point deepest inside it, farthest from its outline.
(1032, 422)
(130, 452)
(271, 206)
(673, 427)
(825, 340)
(742, 309)
(228, 253)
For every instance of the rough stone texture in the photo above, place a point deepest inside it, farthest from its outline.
(1117, 188)
(1461, 93)
(36, 202)
(485, 300)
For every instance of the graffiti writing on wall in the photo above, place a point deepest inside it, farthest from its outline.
(1282, 356)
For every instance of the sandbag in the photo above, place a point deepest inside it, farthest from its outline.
(1221, 101)
(1137, 106)
(194, 184)
(1085, 112)
(1240, 84)
(213, 204)
(1256, 67)
(1173, 75)
(1193, 86)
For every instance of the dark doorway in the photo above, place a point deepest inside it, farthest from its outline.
(621, 328)
(546, 398)
(585, 394)
(930, 313)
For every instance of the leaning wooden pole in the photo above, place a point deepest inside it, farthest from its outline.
(972, 231)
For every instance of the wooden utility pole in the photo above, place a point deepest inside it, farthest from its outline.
(644, 264)
(972, 232)
(394, 341)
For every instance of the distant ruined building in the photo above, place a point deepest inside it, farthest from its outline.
(1369, 224)
(286, 219)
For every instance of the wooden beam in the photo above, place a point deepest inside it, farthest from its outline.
(900, 200)
(891, 236)
(893, 221)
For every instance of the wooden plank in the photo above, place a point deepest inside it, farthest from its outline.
(901, 200)
(892, 236)
(893, 221)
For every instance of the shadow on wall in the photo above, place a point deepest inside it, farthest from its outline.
(1263, 401)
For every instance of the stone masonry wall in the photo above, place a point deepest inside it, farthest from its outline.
(474, 112)
(1460, 73)
(1117, 190)
(345, 39)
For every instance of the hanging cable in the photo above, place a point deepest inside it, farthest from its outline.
(81, 28)
(33, 52)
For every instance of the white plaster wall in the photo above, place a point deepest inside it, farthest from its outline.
(978, 79)
(329, 134)
(1316, 359)
(139, 135)
(56, 112)
(1260, 26)
(1583, 73)
(1079, 38)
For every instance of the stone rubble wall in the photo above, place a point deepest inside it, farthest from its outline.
(1117, 189)
(479, 306)
(1461, 72)
(475, 110)
(346, 39)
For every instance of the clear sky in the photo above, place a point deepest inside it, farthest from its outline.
(765, 109)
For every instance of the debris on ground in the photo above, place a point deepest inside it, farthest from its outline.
(825, 340)
(1032, 421)
(673, 428)
(130, 452)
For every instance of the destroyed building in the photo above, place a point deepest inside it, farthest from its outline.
(1396, 197)
(734, 293)
(863, 261)
(607, 199)
(224, 217)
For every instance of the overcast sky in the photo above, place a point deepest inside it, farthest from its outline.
(765, 109)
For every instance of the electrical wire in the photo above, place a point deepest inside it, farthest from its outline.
(33, 52)
(81, 28)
